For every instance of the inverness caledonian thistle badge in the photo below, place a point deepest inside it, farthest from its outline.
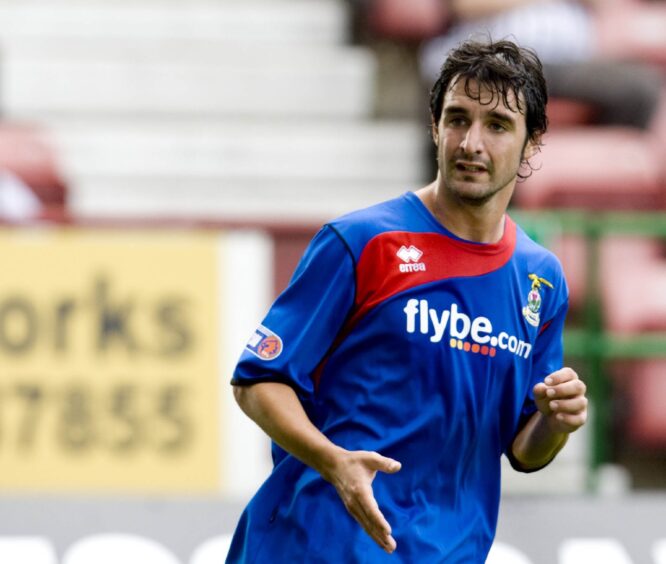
(531, 310)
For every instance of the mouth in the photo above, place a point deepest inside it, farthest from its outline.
(470, 167)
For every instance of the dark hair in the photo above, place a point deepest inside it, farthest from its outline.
(503, 67)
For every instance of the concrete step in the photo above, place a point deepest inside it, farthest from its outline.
(308, 83)
(299, 22)
(346, 150)
(282, 200)
(266, 170)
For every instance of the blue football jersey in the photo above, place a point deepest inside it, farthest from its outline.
(401, 338)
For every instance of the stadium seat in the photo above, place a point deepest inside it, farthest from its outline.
(273, 170)
(632, 276)
(159, 22)
(658, 134)
(572, 252)
(594, 168)
(627, 305)
(25, 151)
(646, 385)
(633, 30)
(564, 112)
(415, 20)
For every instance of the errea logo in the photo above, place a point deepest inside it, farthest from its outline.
(410, 257)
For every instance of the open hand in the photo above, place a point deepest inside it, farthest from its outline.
(352, 475)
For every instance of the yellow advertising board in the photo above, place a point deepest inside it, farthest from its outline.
(108, 361)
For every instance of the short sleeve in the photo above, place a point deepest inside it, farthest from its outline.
(302, 324)
(548, 357)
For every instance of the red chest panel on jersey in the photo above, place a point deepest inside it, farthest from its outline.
(396, 261)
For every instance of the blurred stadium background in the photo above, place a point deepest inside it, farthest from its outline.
(162, 166)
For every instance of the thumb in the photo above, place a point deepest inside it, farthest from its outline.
(385, 464)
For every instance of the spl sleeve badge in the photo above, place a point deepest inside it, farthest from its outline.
(533, 307)
(264, 344)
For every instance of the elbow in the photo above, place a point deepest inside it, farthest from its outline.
(241, 395)
(248, 398)
(526, 461)
(520, 466)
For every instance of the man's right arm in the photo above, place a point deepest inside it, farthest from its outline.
(275, 407)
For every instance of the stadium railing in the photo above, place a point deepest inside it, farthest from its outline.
(591, 341)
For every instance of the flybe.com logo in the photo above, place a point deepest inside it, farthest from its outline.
(468, 335)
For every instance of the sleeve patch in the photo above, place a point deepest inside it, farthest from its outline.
(264, 344)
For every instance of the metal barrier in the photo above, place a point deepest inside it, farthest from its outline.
(591, 342)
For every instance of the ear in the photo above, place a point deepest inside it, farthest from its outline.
(531, 148)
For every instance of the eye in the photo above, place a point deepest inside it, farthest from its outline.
(497, 127)
(456, 121)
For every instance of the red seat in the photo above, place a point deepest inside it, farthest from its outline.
(412, 20)
(646, 387)
(572, 252)
(632, 277)
(564, 112)
(594, 168)
(25, 151)
(633, 30)
(658, 134)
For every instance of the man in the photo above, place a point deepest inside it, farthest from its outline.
(418, 341)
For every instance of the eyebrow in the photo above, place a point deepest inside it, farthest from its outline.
(495, 114)
(455, 110)
(501, 116)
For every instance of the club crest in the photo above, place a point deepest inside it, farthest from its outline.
(533, 307)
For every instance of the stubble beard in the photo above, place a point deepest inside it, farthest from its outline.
(475, 198)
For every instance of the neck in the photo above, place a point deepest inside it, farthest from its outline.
(478, 222)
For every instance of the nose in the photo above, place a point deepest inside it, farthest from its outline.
(472, 142)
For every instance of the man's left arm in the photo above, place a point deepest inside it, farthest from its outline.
(561, 410)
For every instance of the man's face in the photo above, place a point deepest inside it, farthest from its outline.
(480, 143)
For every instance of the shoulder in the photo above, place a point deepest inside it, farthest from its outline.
(542, 285)
(357, 228)
(533, 253)
(536, 259)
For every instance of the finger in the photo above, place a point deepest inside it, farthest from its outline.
(356, 512)
(572, 420)
(540, 390)
(391, 545)
(375, 517)
(363, 505)
(383, 463)
(572, 389)
(378, 530)
(573, 405)
(560, 376)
